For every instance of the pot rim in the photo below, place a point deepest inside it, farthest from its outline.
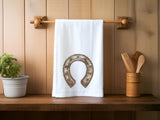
(17, 78)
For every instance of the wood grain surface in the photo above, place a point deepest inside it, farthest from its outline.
(124, 42)
(147, 42)
(14, 32)
(1, 28)
(66, 116)
(108, 103)
(79, 9)
(56, 9)
(103, 9)
(35, 48)
(158, 91)
(1, 38)
(158, 82)
(147, 115)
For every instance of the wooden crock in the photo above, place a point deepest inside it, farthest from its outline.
(133, 84)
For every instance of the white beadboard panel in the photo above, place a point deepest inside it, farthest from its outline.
(35, 47)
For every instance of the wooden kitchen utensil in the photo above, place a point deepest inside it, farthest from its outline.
(136, 56)
(127, 62)
(140, 63)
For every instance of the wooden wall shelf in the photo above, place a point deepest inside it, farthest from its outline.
(108, 103)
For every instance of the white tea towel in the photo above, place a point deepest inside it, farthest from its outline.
(78, 58)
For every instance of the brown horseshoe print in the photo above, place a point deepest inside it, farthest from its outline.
(89, 72)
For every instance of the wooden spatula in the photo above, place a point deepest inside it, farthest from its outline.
(127, 62)
(140, 63)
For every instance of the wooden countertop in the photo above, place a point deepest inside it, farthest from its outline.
(108, 103)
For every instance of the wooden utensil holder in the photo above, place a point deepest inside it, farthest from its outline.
(133, 84)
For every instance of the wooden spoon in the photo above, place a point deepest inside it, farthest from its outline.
(127, 62)
(140, 63)
(136, 56)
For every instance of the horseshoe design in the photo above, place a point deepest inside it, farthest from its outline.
(67, 74)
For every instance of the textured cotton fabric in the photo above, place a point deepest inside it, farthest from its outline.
(74, 40)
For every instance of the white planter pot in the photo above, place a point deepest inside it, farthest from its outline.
(15, 87)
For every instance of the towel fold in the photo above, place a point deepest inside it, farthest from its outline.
(78, 58)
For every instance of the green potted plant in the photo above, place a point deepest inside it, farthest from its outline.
(14, 85)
